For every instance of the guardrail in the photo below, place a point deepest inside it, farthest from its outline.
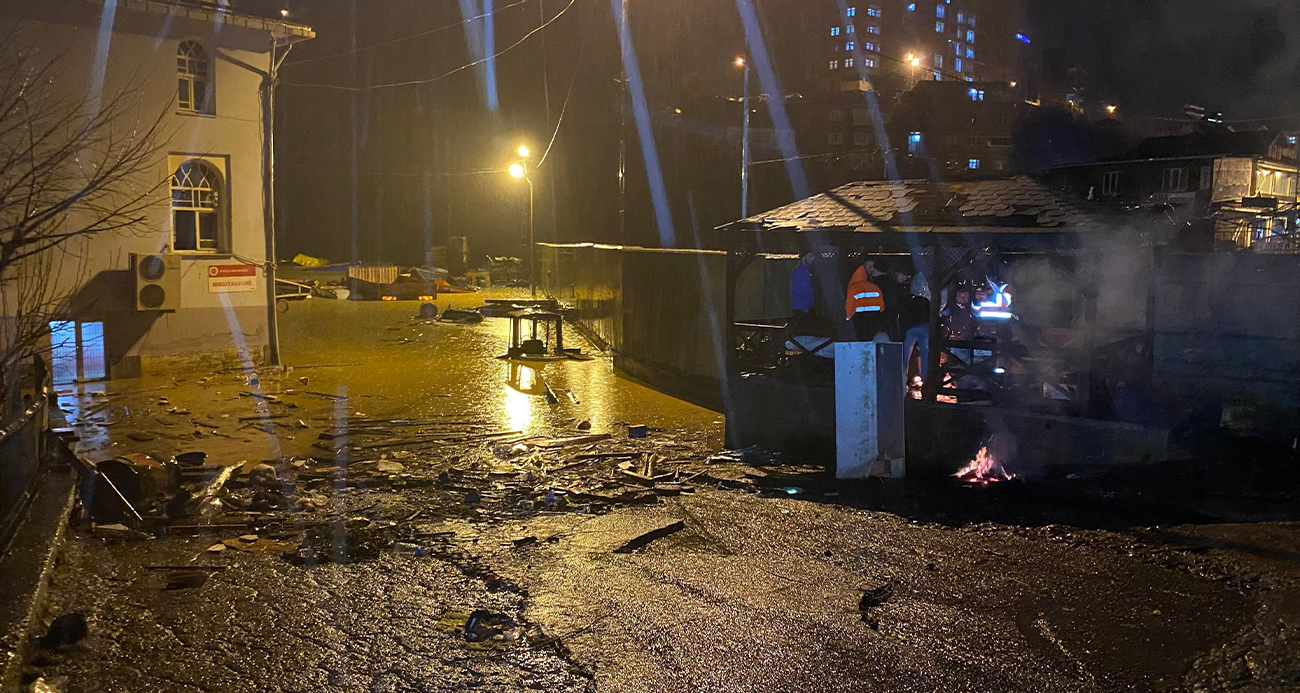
(23, 448)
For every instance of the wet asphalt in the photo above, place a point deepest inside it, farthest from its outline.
(756, 593)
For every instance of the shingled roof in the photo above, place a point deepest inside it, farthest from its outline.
(1003, 205)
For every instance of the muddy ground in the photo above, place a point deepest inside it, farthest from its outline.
(529, 574)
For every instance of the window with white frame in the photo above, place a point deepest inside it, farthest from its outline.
(851, 12)
(848, 46)
(970, 19)
(848, 62)
(938, 27)
(194, 79)
(939, 11)
(835, 31)
(1110, 183)
(869, 46)
(1174, 180)
(851, 29)
(957, 65)
(873, 29)
(970, 37)
(973, 164)
(873, 11)
(970, 52)
(835, 64)
(198, 197)
(869, 62)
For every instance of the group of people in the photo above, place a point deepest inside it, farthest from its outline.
(884, 304)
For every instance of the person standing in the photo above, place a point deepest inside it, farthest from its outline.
(864, 303)
(914, 321)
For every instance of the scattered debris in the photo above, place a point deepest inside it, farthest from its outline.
(647, 537)
(636, 431)
(873, 598)
(65, 630)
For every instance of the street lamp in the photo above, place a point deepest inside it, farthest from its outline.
(744, 145)
(520, 170)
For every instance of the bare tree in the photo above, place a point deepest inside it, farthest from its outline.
(73, 164)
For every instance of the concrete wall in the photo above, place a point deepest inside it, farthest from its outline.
(141, 61)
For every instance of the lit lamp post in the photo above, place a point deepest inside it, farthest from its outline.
(520, 170)
(744, 144)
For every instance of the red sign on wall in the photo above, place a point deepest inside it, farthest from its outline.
(224, 278)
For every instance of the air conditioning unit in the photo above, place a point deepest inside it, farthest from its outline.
(157, 281)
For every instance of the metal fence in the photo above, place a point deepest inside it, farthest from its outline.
(23, 447)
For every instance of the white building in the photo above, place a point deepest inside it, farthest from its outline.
(204, 68)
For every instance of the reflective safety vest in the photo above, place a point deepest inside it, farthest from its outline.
(863, 296)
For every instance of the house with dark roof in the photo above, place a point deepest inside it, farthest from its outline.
(1243, 185)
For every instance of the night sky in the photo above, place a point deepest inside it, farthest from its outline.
(1238, 56)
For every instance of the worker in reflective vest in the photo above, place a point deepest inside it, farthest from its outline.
(864, 303)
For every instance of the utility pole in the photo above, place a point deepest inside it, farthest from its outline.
(268, 194)
(623, 38)
(744, 145)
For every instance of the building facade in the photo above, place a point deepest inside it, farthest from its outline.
(1242, 185)
(201, 69)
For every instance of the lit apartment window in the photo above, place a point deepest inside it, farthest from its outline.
(1174, 180)
(873, 11)
(1290, 140)
(938, 61)
(938, 77)
(848, 46)
(1110, 183)
(911, 7)
(957, 65)
(869, 46)
(971, 20)
(970, 52)
(850, 29)
(973, 164)
(938, 27)
(939, 11)
(835, 64)
(914, 143)
(835, 138)
(873, 29)
(835, 31)
(193, 74)
(196, 207)
(851, 12)
(970, 79)
(848, 62)
(869, 62)
(970, 36)
(958, 47)
(961, 18)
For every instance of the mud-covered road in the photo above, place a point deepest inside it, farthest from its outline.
(746, 590)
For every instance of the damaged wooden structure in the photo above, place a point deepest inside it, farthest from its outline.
(1062, 359)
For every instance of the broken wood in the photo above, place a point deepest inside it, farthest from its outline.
(650, 536)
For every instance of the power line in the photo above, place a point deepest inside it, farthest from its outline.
(577, 67)
(415, 82)
(814, 156)
(406, 38)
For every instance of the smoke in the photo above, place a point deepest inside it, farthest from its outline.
(1241, 57)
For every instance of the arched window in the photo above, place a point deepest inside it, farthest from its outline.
(194, 78)
(196, 207)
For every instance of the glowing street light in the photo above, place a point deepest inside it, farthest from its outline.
(516, 170)
(523, 152)
(740, 61)
(1111, 109)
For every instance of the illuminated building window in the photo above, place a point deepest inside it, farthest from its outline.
(873, 11)
(914, 143)
(957, 65)
(938, 60)
(869, 62)
(851, 12)
(938, 77)
(194, 78)
(835, 64)
(939, 11)
(961, 18)
(970, 52)
(848, 62)
(973, 164)
(970, 20)
(850, 29)
(835, 31)
(869, 46)
(848, 46)
(873, 29)
(970, 37)
(911, 7)
(938, 27)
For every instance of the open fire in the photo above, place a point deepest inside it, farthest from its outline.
(984, 470)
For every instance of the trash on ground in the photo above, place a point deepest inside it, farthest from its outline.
(65, 630)
(647, 537)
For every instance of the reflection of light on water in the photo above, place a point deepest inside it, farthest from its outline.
(518, 403)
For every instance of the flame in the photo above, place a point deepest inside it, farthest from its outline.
(984, 470)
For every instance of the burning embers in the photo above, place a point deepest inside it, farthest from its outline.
(984, 470)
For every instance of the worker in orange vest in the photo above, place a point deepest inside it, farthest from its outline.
(864, 303)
